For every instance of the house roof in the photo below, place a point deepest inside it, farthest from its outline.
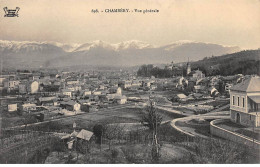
(248, 85)
(118, 97)
(181, 96)
(71, 103)
(84, 134)
(28, 105)
(256, 99)
(66, 90)
(74, 134)
(41, 99)
(202, 80)
(197, 95)
(66, 136)
(231, 77)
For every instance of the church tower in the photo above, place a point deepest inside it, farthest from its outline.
(119, 91)
(188, 67)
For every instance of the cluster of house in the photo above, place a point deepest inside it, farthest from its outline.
(244, 92)
(73, 91)
(86, 91)
(197, 83)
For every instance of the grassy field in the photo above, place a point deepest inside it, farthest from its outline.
(218, 103)
(184, 110)
(201, 128)
(88, 120)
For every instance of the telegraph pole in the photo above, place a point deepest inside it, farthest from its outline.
(1, 67)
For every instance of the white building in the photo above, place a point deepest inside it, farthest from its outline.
(12, 107)
(121, 99)
(72, 82)
(119, 91)
(71, 106)
(198, 74)
(245, 101)
(87, 92)
(34, 87)
(11, 85)
(67, 92)
(97, 92)
(29, 107)
(2, 80)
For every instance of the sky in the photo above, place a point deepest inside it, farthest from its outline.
(226, 22)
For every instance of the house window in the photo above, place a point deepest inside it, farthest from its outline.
(243, 102)
(233, 100)
(237, 101)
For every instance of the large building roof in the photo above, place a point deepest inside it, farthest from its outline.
(251, 84)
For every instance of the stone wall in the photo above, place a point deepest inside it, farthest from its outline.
(232, 136)
(0, 125)
(245, 118)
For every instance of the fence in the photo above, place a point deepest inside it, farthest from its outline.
(142, 137)
(19, 148)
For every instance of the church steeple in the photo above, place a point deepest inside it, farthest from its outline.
(188, 67)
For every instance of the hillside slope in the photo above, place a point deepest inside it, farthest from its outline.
(244, 62)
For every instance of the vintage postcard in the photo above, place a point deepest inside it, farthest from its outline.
(129, 81)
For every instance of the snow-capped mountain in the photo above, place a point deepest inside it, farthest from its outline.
(18, 46)
(133, 44)
(94, 45)
(128, 53)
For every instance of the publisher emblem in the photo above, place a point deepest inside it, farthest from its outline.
(11, 12)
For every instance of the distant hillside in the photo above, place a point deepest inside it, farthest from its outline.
(244, 62)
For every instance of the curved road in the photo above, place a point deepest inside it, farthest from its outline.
(190, 131)
(215, 114)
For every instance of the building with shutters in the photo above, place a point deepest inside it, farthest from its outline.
(245, 102)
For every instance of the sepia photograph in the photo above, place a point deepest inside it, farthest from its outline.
(129, 82)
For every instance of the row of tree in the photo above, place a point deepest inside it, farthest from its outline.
(149, 70)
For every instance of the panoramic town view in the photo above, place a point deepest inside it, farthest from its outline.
(127, 101)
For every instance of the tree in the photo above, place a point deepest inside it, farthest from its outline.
(151, 119)
(58, 146)
(98, 131)
(112, 132)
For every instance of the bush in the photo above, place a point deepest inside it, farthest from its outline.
(114, 154)
(218, 151)
(98, 131)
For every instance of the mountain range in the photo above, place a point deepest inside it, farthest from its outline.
(100, 53)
